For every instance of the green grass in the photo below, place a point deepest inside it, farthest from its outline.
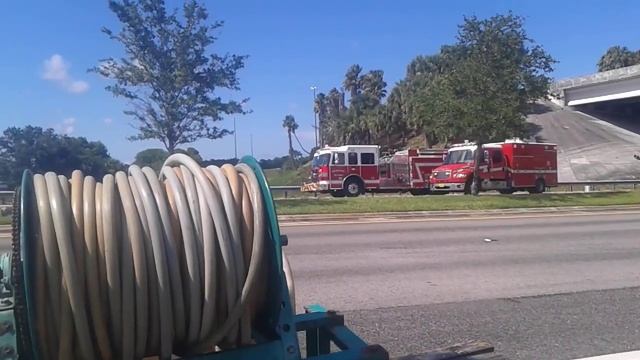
(5, 220)
(434, 203)
(278, 177)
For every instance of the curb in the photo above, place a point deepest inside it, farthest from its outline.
(284, 219)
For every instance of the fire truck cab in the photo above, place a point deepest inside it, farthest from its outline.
(513, 165)
(351, 170)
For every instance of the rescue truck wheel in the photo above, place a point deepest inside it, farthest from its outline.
(337, 193)
(540, 187)
(353, 187)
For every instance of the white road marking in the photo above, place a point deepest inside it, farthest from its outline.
(619, 356)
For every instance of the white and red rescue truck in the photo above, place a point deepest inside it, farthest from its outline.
(352, 170)
(513, 165)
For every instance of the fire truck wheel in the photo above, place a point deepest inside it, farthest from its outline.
(419, 192)
(540, 187)
(353, 187)
(337, 193)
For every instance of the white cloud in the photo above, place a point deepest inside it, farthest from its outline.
(67, 126)
(108, 120)
(78, 87)
(56, 70)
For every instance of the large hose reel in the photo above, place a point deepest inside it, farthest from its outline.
(188, 263)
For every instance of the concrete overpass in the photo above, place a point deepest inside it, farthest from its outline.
(623, 83)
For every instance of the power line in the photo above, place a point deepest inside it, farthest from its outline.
(299, 143)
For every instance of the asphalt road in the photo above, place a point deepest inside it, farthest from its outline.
(550, 287)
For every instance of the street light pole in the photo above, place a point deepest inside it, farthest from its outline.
(235, 140)
(315, 114)
(251, 141)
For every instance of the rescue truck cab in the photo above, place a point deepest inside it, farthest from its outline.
(513, 165)
(352, 170)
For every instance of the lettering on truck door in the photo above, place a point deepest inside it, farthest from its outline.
(338, 170)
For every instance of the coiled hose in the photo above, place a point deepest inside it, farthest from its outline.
(141, 265)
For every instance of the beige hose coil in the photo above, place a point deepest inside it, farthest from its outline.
(140, 265)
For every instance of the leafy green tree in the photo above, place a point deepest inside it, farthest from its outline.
(153, 158)
(42, 150)
(617, 57)
(291, 125)
(491, 89)
(168, 73)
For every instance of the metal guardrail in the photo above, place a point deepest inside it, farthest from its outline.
(596, 183)
(285, 187)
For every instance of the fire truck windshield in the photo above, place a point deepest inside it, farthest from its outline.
(459, 157)
(320, 160)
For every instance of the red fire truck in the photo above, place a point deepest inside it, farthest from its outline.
(513, 165)
(352, 170)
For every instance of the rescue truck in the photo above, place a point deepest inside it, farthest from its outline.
(352, 170)
(509, 166)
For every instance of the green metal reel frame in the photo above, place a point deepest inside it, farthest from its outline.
(276, 331)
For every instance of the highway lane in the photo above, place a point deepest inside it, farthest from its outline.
(548, 287)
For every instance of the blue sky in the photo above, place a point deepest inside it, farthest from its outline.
(292, 45)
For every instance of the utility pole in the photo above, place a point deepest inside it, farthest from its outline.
(235, 140)
(315, 114)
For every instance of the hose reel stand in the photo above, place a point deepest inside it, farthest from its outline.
(275, 330)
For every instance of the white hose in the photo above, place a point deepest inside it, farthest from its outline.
(138, 266)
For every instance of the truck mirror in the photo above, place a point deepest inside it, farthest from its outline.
(485, 156)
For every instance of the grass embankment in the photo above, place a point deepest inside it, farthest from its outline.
(435, 203)
(279, 177)
(5, 220)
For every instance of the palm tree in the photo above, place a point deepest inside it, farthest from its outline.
(291, 125)
(352, 80)
(373, 86)
(320, 107)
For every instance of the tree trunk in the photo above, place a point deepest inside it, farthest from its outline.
(171, 146)
(293, 163)
(475, 186)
